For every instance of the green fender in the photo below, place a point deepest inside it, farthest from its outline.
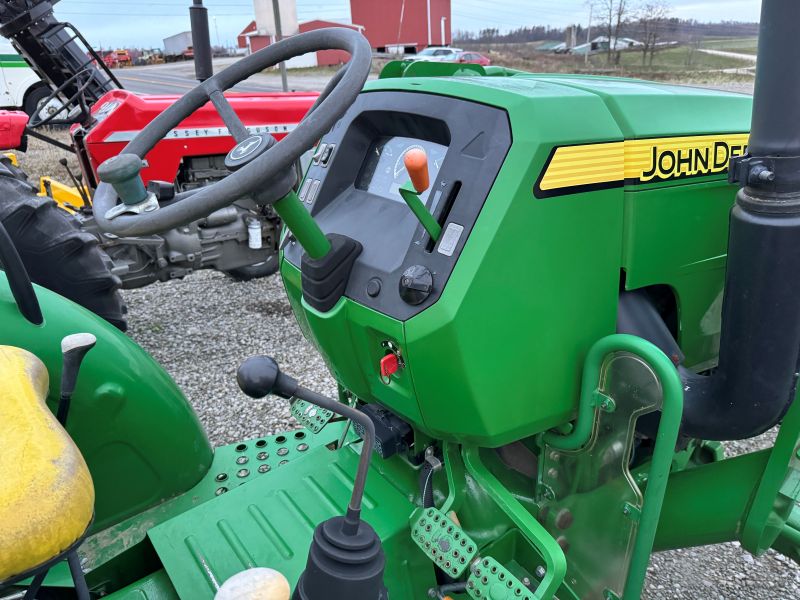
(139, 435)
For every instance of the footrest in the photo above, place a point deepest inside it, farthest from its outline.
(310, 416)
(490, 580)
(444, 542)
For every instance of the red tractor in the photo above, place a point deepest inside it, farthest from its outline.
(60, 242)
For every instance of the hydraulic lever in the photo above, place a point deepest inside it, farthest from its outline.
(416, 162)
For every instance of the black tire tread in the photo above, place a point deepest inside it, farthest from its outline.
(56, 252)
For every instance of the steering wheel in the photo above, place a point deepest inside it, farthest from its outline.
(36, 119)
(255, 168)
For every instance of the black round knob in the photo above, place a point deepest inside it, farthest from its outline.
(257, 376)
(416, 284)
(373, 287)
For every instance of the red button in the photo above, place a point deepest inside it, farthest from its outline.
(389, 365)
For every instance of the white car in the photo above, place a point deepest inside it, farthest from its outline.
(436, 54)
(20, 87)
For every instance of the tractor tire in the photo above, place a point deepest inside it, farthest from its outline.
(56, 252)
(250, 272)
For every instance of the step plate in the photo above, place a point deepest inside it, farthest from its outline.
(444, 542)
(490, 580)
(310, 416)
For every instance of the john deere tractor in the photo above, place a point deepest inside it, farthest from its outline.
(545, 305)
(59, 240)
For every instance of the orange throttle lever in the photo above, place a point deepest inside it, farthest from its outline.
(416, 162)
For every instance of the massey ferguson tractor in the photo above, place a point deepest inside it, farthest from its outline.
(60, 242)
(545, 305)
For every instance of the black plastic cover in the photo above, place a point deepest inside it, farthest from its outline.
(325, 279)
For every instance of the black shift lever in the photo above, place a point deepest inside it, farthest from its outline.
(346, 559)
(74, 349)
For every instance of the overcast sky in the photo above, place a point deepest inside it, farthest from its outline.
(144, 23)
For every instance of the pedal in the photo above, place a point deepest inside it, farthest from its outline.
(490, 580)
(444, 542)
(310, 416)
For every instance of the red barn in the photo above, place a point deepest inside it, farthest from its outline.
(408, 25)
(250, 38)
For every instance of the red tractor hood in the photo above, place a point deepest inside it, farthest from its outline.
(121, 115)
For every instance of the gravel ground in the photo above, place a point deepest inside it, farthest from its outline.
(201, 328)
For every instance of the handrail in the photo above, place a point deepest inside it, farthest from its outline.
(666, 438)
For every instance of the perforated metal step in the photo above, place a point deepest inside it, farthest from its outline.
(444, 542)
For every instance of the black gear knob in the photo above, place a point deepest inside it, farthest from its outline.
(259, 376)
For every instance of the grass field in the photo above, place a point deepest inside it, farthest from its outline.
(681, 58)
(747, 45)
(681, 63)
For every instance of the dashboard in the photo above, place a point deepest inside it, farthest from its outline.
(352, 189)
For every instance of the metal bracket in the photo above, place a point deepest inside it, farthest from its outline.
(634, 513)
(147, 205)
(604, 402)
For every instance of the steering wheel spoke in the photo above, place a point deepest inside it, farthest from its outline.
(232, 121)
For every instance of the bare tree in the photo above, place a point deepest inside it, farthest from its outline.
(616, 13)
(651, 17)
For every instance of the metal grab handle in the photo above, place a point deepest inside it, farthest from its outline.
(18, 280)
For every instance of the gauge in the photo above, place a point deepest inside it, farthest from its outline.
(384, 170)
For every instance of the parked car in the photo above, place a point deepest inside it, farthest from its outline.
(474, 58)
(437, 54)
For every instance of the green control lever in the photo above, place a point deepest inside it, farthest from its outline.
(416, 162)
(302, 225)
(123, 172)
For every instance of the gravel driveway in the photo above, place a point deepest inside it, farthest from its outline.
(201, 328)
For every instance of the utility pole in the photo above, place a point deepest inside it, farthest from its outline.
(589, 35)
(430, 39)
(276, 9)
(216, 28)
(444, 39)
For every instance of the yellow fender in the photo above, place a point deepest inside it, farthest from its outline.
(47, 496)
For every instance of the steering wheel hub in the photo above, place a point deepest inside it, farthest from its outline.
(248, 150)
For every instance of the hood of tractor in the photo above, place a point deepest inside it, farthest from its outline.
(120, 115)
(553, 193)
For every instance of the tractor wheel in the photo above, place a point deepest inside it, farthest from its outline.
(33, 102)
(56, 253)
(262, 269)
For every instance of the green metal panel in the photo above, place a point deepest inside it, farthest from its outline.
(270, 521)
(678, 236)
(141, 439)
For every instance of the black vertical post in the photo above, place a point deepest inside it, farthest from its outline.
(201, 41)
(759, 355)
(776, 104)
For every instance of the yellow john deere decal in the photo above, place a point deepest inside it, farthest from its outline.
(583, 168)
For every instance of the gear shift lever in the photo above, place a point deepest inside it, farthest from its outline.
(346, 559)
(74, 349)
